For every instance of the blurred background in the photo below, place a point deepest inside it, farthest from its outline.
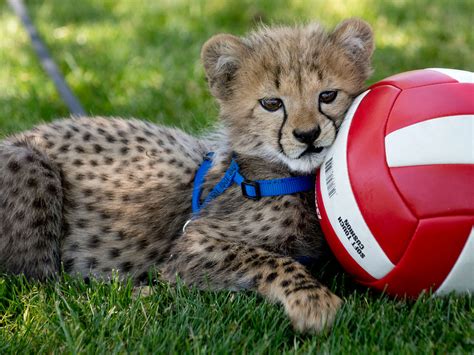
(141, 57)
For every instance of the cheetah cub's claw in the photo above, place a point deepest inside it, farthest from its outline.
(312, 311)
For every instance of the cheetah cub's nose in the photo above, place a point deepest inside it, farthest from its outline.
(307, 137)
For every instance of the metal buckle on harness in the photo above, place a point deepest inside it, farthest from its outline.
(256, 187)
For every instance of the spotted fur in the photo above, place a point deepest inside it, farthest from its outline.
(101, 194)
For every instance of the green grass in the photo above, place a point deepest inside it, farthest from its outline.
(141, 58)
(71, 316)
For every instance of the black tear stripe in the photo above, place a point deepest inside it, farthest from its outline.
(325, 115)
(280, 131)
(332, 120)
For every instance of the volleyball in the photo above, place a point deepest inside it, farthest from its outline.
(395, 194)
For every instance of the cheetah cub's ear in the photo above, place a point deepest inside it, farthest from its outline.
(221, 56)
(356, 38)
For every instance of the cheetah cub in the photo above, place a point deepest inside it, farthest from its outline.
(93, 195)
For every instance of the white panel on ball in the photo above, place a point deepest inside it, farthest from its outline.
(342, 209)
(462, 76)
(461, 277)
(441, 140)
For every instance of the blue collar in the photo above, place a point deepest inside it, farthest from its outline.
(251, 189)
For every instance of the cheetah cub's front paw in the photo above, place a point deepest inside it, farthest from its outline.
(311, 311)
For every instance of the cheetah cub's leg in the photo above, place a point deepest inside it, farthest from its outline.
(217, 264)
(30, 211)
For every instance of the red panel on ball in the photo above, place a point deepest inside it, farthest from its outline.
(436, 190)
(415, 78)
(384, 211)
(346, 260)
(429, 258)
(424, 103)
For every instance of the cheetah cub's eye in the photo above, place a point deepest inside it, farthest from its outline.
(326, 97)
(272, 104)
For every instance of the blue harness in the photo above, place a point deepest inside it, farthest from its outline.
(253, 190)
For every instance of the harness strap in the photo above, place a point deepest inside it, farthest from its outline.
(275, 187)
(250, 189)
(226, 181)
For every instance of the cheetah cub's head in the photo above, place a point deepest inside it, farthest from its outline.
(283, 91)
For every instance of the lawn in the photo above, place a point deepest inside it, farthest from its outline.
(141, 59)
